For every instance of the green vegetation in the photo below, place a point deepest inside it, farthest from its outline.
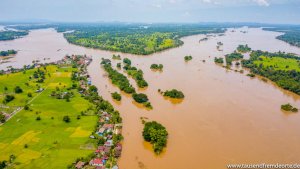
(116, 96)
(219, 60)
(291, 34)
(118, 79)
(141, 39)
(136, 74)
(8, 52)
(156, 134)
(243, 48)
(188, 58)
(11, 35)
(176, 94)
(116, 57)
(278, 63)
(282, 68)
(289, 107)
(2, 118)
(233, 57)
(140, 98)
(127, 61)
(157, 67)
(39, 132)
(123, 83)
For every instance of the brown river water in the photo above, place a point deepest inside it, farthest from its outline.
(226, 117)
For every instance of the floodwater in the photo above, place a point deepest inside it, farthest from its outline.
(226, 117)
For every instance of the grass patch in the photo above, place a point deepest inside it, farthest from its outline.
(49, 142)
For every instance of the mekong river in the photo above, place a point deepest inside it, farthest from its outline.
(226, 117)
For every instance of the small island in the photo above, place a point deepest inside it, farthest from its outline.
(219, 60)
(116, 96)
(243, 48)
(175, 94)
(8, 53)
(157, 67)
(289, 107)
(188, 58)
(142, 98)
(156, 134)
(135, 73)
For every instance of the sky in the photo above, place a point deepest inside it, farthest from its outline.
(151, 11)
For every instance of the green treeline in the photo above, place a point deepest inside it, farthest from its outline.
(229, 58)
(11, 35)
(156, 134)
(243, 48)
(266, 64)
(118, 79)
(136, 74)
(123, 83)
(8, 52)
(133, 38)
(291, 34)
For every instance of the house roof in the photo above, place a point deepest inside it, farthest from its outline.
(80, 164)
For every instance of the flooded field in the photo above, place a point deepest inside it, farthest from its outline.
(226, 117)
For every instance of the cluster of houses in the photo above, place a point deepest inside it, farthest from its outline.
(105, 131)
(109, 149)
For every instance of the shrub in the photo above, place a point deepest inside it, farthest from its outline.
(18, 89)
(8, 98)
(140, 98)
(66, 119)
(116, 96)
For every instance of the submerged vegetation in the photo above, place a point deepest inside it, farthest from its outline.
(123, 83)
(188, 58)
(116, 96)
(156, 134)
(118, 79)
(175, 94)
(289, 107)
(229, 58)
(243, 48)
(282, 68)
(157, 67)
(219, 60)
(136, 74)
(8, 52)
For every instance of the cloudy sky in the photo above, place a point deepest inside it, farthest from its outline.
(267, 11)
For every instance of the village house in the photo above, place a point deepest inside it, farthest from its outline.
(80, 164)
(96, 162)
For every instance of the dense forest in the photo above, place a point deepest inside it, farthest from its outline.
(141, 39)
(291, 34)
(270, 65)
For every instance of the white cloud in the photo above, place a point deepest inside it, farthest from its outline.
(262, 2)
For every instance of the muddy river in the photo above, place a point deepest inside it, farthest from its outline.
(226, 117)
